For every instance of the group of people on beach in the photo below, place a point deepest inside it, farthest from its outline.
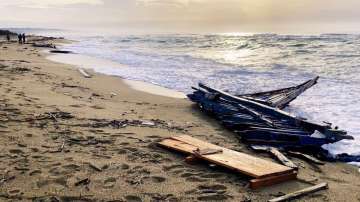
(22, 38)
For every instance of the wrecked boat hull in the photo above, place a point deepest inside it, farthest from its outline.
(259, 123)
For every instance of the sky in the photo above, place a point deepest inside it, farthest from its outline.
(185, 16)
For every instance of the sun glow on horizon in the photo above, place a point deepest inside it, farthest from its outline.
(190, 16)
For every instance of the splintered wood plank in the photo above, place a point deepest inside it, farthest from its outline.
(244, 163)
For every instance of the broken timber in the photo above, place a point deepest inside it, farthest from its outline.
(282, 97)
(264, 172)
(302, 192)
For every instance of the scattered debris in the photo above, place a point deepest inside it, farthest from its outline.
(101, 123)
(276, 153)
(20, 69)
(299, 193)
(59, 115)
(265, 172)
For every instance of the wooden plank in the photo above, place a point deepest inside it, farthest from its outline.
(300, 192)
(241, 162)
(267, 181)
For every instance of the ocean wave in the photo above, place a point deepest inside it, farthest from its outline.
(246, 63)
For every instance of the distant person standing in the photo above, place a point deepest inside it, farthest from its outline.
(8, 37)
(23, 38)
(20, 38)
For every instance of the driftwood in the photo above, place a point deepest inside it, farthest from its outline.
(84, 73)
(306, 157)
(61, 51)
(302, 192)
(43, 45)
(277, 154)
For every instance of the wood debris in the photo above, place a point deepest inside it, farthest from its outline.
(277, 154)
(265, 172)
(299, 193)
(84, 73)
(306, 157)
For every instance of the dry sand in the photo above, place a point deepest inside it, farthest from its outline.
(80, 155)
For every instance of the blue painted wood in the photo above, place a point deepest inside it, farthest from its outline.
(257, 122)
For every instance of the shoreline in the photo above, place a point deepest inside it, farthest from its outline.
(99, 65)
(58, 128)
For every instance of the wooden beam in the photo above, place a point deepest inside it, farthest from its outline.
(302, 192)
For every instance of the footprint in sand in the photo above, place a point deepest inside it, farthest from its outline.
(16, 151)
(121, 151)
(216, 192)
(195, 179)
(212, 175)
(124, 143)
(172, 167)
(185, 175)
(153, 136)
(131, 198)
(125, 166)
(213, 197)
(158, 179)
(109, 183)
(216, 187)
(72, 167)
(61, 181)
(35, 172)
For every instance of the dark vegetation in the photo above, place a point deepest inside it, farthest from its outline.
(5, 32)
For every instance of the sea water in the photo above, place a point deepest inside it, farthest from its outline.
(245, 63)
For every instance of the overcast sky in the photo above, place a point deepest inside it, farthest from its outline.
(189, 16)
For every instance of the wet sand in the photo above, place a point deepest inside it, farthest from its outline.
(64, 137)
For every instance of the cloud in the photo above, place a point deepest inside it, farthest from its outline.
(180, 3)
(48, 3)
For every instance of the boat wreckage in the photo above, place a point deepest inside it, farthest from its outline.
(258, 119)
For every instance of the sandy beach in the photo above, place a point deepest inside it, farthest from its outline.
(69, 138)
